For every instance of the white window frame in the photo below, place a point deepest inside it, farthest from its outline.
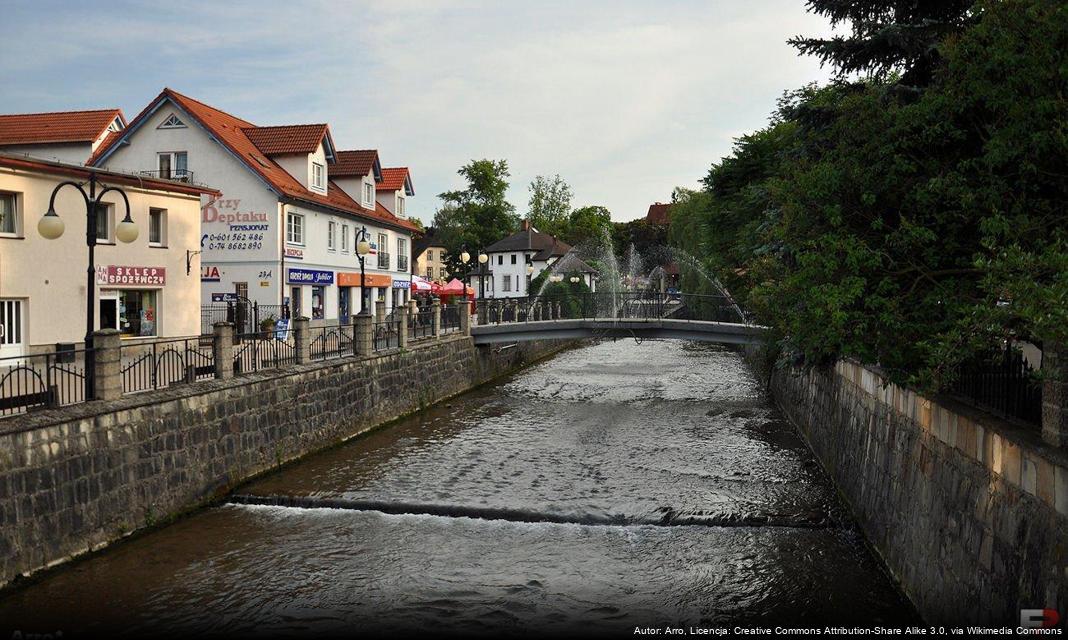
(170, 122)
(402, 250)
(109, 224)
(162, 241)
(331, 236)
(173, 158)
(368, 194)
(318, 176)
(506, 283)
(400, 205)
(16, 215)
(344, 238)
(294, 228)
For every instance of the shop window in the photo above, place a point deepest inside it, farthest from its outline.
(9, 215)
(137, 312)
(157, 227)
(318, 302)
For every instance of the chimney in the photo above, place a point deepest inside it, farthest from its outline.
(525, 224)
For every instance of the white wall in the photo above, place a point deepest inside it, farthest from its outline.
(70, 153)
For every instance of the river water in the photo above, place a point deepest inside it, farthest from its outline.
(615, 486)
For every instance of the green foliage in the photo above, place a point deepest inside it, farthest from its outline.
(477, 216)
(585, 223)
(648, 238)
(912, 230)
(550, 205)
(570, 295)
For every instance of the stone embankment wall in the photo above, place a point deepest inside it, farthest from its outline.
(75, 479)
(969, 513)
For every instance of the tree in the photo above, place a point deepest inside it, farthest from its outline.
(550, 205)
(887, 36)
(478, 215)
(587, 222)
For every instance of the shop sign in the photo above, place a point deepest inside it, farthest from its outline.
(209, 273)
(310, 276)
(349, 279)
(132, 276)
(224, 297)
(401, 284)
(296, 254)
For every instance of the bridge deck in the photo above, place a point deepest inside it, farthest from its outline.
(651, 328)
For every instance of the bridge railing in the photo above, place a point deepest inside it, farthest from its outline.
(599, 305)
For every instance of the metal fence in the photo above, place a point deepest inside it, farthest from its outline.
(450, 319)
(1002, 382)
(387, 335)
(421, 325)
(332, 341)
(42, 381)
(263, 350)
(247, 317)
(616, 305)
(162, 363)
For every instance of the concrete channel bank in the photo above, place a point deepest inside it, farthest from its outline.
(969, 512)
(75, 479)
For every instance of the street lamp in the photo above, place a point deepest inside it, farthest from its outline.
(556, 277)
(482, 260)
(51, 227)
(465, 257)
(574, 279)
(363, 247)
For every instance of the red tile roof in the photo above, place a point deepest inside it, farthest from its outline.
(111, 177)
(104, 144)
(58, 126)
(295, 138)
(392, 179)
(231, 132)
(354, 163)
(659, 213)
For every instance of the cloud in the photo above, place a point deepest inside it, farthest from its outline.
(625, 100)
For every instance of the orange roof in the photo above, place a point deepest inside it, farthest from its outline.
(392, 179)
(354, 163)
(57, 126)
(232, 132)
(659, 213)
(296, 138)
(111, 177)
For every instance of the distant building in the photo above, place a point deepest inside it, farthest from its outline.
(659, 213)
(518, 259)
(430, 258)
(62, 136)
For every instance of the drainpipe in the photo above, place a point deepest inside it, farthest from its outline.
(282, 261)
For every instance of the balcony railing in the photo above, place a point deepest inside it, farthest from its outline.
(402, 262)
(178, 175)
(383, 260)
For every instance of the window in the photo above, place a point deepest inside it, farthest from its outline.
(513, 258)
(402, 254)
(368, 193)
(157, 227)
(105, 223)
(442, 270)
(429, 255)
(331, 232)
(318, 176)
(345, 238)
(174, 165)
(430, 273)
(507, 283)
(318, 303)
(137, 312)
(500, 259)
(383, 255)
(400, 206)
(294, 228)
(172, 122)
(9, 216)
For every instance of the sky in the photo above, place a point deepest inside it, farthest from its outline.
(624, 100)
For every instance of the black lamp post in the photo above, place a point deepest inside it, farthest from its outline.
(363, 247)
(482, 259)
(465, 257)
(51, 227)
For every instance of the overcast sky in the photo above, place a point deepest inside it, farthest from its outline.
(625, 100)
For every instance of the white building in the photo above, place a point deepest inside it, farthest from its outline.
(283, 232)
(142, 288)
(62, 136)
(520, 258)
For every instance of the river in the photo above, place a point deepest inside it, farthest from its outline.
(615, 486)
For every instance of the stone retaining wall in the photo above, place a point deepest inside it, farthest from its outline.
(969, 513)
(75, 479)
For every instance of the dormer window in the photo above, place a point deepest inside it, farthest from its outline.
(368, 194)
(400, 206)
(172, 122)
(318, 176)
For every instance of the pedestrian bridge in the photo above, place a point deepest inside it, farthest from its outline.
(639, 316)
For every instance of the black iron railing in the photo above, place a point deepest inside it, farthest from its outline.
(383, 260)
(263, 350)
(247, 317)
(332, 341)
(41, 381)
(421, 325)
(162, 363)
(619, 306)
(178, 175)
(386, 335)
(1002, 382)
(450, 319)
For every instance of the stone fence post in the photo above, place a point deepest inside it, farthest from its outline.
(435, 317)
(464, 310)
(302, 340)
(1055, 395)
(402, 323)
(364, 334)
(107, 365)
(222, 350)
